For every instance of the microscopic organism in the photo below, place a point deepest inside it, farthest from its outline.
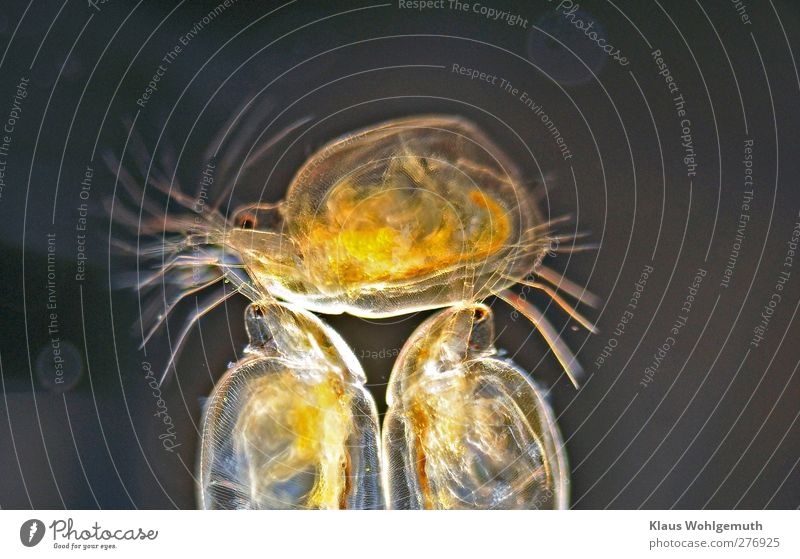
(466, 428)
(412, 214)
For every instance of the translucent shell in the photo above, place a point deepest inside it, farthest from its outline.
(291, 425)
(411, 214)
(465, 429)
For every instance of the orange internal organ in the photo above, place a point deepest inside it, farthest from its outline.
(292, 425)
(365, 236)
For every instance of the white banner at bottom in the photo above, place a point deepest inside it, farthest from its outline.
(399, 534)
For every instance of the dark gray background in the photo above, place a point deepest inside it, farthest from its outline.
(717, 426)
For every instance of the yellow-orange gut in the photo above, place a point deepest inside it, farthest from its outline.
(377, 234)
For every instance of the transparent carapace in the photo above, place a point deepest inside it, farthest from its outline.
(291, 425)
(466, 429)
(414, 213)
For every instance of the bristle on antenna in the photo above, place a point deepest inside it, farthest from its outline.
(562, 352)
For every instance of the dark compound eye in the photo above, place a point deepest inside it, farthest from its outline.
(479, 314)
(247, 221)
(258, 311)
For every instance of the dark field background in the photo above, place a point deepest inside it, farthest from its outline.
(714, 426)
